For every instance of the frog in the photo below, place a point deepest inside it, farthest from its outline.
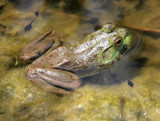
(59, 68)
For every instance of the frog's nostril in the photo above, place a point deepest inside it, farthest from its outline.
(127, 33)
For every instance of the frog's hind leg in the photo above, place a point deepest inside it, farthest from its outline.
(54, 80)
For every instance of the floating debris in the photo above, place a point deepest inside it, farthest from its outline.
(36, 13)
(29, 26)
(3, 26)
(122, 102)
(130, 83)
(93, 20)
(2, 113)
(2, 5)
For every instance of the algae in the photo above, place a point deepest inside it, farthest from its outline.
(19, 97)
(97, 103)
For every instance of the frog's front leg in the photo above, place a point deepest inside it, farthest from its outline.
(53, 80)
(41, 45)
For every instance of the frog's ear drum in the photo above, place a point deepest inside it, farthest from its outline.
(118, 41)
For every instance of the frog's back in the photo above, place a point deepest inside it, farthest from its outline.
(64, 58)
(80, 56)
(54, 59)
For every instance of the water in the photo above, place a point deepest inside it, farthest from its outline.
(106, 96)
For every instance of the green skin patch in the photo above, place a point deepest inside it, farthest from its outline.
(114, 51)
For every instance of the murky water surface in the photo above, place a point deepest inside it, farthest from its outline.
(104, 97)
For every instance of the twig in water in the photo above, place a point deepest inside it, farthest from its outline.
(153, 30)
(25, 116)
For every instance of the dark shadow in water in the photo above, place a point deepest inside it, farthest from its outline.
(2, 6)
(70, 6)
(154, 35)
(140, 5)
(109, 78)
(139, 63)
(22, 4)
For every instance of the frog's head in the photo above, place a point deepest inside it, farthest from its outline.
(120, 41)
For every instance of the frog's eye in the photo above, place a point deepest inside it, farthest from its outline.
(118, 41)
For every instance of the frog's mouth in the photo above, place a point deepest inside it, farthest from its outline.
(135, 44)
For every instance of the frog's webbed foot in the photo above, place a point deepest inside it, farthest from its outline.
(53, 80)
(40, 45)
